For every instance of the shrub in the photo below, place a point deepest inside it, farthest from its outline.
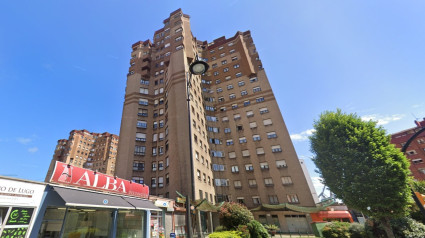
(243, 229)
(402, 227)
(336, 230)
(220, 228)
(357, 230)
(225, 234)
(234, 214)
(256, 230)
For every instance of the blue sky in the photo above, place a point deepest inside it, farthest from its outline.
(63, 64)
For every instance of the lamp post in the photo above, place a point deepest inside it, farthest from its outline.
(197, 67)
(403, 150)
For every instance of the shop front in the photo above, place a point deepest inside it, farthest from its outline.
(19, 202)
(93, 205)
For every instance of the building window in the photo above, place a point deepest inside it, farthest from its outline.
(242, 140)
(160, 165)
(281, 163)
(240, 200)
(167, 178)
(227, 78)
(252, 183)
(249, 114)
(246, 103)
(276, 148)
(234, 58)
(237, 117)
(264, 110)
(260, 151)
(154, 149)
(256, 200)
(237, 184)
(178, 29)
(232, 155)
(268, 182)
(140, 137)
(144, 91)
(219, 90)
(160, 182)
(235, 169)
(223, 62)
(286, 180)
(271, 135)
(255, 79)
(221, 182)
(249, 167)
(241, 83)
(236, 66)
(292, 198)
(143, 102)
(234, 106)
(179, 47)
(253, 125)
(139, 150)
(222, 54)
(178, 38)
(411, 152)
(138, 166)
(260, 99)
(138, 180)
(245, 153)
(264, 166)
(154, 166)
(230, 86)
(238, 74)
(232, 96)
(214, 66)
(267, 122)
(226, 70)
(167, 45)
(225, 119)
(229, 142)
(256, 137)
(273, 199)
(227, 130)
(244, 92)
(256, 89)
(153, 182)
(417, 161)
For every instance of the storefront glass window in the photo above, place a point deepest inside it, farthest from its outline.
(3, 212)
(88, 223)
(52, 222)
(157, 228)
(130, 224)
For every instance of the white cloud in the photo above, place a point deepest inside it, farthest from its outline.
(303, 136)
(382, 119)
(23, 140)
(33, 149)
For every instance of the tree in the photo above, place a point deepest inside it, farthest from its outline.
(234, 214)
(359, 164)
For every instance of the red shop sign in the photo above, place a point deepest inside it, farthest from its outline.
(79, 177)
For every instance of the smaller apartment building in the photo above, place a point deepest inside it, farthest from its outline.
(84, 149)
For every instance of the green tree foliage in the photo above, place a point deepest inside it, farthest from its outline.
(403, 227)
(419, 186)
(336, 230)
(359, 164)
(257, 230)
(234, 214)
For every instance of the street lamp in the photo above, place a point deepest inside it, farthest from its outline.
(197, 67)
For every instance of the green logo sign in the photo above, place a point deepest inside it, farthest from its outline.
(20, 216)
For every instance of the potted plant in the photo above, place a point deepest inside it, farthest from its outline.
(271, 228)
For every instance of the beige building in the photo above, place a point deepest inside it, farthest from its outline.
(241, 149)
(95, 151)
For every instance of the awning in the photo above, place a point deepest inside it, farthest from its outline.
(80, 198)
(142, 204)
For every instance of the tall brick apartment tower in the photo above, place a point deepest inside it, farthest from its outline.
(84, 149)
(241, 149)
